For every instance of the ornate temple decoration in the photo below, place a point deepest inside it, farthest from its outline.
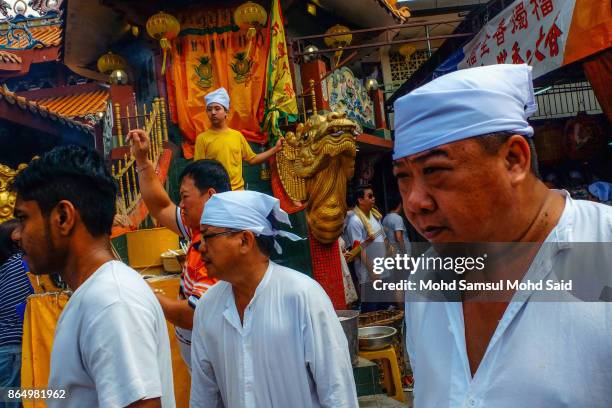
(315, 165)
(347, 94)
(7, 197)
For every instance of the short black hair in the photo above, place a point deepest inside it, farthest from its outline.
(360, 191)
(394, 201)
(265, 244)
(207, 174)
(76, 174)
(492, 142)
(8, 247)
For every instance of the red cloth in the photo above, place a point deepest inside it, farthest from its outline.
(327, 270)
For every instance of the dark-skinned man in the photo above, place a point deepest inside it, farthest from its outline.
(111, 346)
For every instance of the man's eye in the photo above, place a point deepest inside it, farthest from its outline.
(431, 170)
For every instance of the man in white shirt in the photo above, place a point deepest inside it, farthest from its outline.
(111, 346)
(264, 335)
(365, 233)
(466, 168)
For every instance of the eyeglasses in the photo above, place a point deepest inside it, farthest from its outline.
(370, 195)
(203, 238)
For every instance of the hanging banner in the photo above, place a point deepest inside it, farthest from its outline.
(280, 98)
(211, 52)
(530, 32)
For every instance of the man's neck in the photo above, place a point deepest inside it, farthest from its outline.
(220, 127)
(248, 279)
(543, 215)
(84, 261)
(365, 211)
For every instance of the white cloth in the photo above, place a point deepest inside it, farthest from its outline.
(356, 231)
(462, 104)
(393, 222)
(247, 211)
(290, 351)
(219, 96)
(111, 345)
(542, 354)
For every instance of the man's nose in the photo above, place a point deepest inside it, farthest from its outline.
(418, 200)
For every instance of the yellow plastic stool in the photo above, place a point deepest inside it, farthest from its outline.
(391, 370)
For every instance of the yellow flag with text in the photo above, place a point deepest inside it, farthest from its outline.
(280, 100)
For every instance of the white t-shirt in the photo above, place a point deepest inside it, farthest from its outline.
(111, 345)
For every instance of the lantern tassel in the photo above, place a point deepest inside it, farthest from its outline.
(250, 36)
(165, 45)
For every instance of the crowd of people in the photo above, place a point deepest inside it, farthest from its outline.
(257, 334)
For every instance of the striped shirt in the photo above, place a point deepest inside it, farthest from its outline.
(15, 287)
(194, 278)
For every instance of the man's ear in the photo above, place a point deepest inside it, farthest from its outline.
(210, 192)
(248, 242)
(517, 157)
(64, 217)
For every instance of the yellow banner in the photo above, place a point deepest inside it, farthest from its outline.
(280, 95)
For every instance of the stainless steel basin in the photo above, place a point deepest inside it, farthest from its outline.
(375, 337)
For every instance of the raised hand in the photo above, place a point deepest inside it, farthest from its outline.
(139, 144)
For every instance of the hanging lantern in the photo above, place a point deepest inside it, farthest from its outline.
(310, 53)
(163, 27)
(250, 16)
(118, 77)
(371, 84)
(342, 39)
(110, 62)
(407, 50)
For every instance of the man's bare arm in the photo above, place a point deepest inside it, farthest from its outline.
(177, 311)
(262, 157)
(153, 193)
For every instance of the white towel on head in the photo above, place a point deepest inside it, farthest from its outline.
(219, 96)
(247, 211)
(463, 104)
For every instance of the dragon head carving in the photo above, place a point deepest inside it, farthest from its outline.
(7, 197)
(315, 165)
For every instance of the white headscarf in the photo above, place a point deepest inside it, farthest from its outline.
(463, 104)
(219, 96)
(247, 211)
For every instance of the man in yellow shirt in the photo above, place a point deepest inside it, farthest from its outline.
(226, 145)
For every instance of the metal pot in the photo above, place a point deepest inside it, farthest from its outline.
(375, 337)
(348, 321)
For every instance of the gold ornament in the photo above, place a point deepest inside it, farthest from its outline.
(110, 62)
(407, 50)
(315, 164)
(8, 197)
(341, 39)
(250, 16)
(163, 27)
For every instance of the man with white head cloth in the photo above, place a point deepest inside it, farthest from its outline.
(464, 160)
(264, 335)
(227, 145)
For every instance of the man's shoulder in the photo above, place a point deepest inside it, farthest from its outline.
(296, 283)
(114, 283)
(593, 221)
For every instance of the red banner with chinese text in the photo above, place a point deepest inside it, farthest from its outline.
(541, 33)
